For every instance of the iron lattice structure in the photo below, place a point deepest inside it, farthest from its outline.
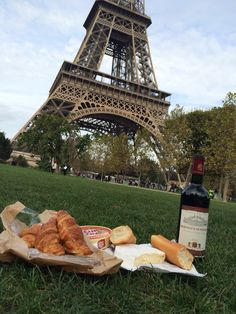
(124, 100)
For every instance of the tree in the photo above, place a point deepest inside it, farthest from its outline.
(99, 153)
(79, 154)
(47, 136)
(119, 154)
(74, 148)
(5, 147)
(142, 153)
(174, 152)
(210, 133)
(221, 145)
(197, 137)
(148, 169)
(184, 135)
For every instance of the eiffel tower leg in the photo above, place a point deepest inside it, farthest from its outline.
(136, 76)
(52, 106)
(28, 123)
(95, 43)
(145, 66)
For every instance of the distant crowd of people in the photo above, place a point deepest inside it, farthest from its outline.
(64, 169)
(120, 179)
(144, 183)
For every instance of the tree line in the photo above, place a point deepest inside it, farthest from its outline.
(211, 133)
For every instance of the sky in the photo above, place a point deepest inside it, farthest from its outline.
(193, 47)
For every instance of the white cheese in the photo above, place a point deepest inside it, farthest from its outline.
(135, 256)
(149, 258)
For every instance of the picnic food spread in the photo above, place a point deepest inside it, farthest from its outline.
(174, 253)
(54, 238)
(61, 235)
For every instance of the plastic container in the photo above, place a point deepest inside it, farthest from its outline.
(98, 235)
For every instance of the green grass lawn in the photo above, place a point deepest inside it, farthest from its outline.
(26, 288)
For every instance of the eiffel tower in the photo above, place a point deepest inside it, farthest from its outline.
(126, 99)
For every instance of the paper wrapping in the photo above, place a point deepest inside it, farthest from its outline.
(12, 246)
(128, 253)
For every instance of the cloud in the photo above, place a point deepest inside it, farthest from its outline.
(194, 50)
(54, 14)
(16, 108)
(195, 65)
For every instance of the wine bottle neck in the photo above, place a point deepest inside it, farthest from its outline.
(197, 178)
(197, 169)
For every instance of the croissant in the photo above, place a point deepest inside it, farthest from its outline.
(48, 239)
(71, 234)
(29, 234)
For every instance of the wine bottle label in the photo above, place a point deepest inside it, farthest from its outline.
(193, 228)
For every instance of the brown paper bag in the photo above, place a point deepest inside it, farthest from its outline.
(11, 246)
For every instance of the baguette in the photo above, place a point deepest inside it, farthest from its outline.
(176, 253)
(122, 235)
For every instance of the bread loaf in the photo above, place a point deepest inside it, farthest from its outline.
(122, 235)
(176, 253)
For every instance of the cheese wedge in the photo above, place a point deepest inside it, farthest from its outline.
(149, 258)
(136, 255)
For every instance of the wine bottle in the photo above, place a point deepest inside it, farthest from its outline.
(193, 215)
